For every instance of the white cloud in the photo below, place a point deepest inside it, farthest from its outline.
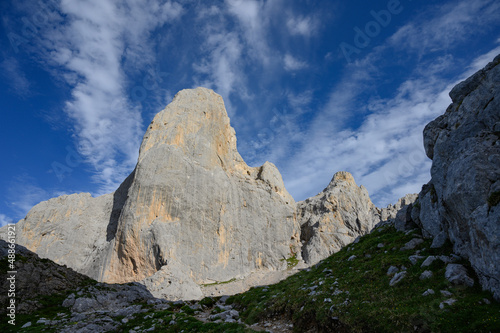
(299, 102)
(253, 16)
(220, 66)
(205, 12)
(481, 61)
(450, 24)
(247, 12)
(23, 194)
(89, 47)
(292, 64)
(4, 220)
(385, 154)
(301, 25)
(16, 78)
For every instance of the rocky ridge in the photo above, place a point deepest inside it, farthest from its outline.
(335, 217)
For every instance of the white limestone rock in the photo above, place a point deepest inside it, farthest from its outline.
(191, 200)
(335, 217)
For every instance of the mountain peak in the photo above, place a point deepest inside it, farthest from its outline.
(196, 123)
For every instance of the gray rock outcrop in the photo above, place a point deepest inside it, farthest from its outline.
(397, 213)
(335, 217)
(172, 282)
(457, 274)
(461, 202)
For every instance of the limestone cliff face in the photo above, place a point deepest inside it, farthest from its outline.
(459, 202)
(70, 229)
(191, 212)
(335, 217)
(193, 200)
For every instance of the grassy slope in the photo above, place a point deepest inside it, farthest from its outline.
(336, 295)
(355, 296)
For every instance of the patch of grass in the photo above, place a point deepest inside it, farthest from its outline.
(172, 321)
(187, 310)
(292, 261)
(51, 307)
(208, 302)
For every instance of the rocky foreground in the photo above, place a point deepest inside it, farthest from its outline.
(386, 281)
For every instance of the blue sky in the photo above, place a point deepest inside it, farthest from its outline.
(313, 86)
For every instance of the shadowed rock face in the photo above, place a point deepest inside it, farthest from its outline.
(192, 210)
(464, 147)
(34, 278)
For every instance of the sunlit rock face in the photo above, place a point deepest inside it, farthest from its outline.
(193, 200)
(192, 211)
(335, 217)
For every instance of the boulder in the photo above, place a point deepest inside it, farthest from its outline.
(403, 220)
(397, 278)
(457, 274)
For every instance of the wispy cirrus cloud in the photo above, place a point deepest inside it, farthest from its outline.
(302, 25)
(23, 193)
(293, 64)
(219, 67)
(14, 75)
(4, 220)
(447, 25)
(90, 45)
(385, 153)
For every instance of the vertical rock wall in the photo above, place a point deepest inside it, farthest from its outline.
(461, 202)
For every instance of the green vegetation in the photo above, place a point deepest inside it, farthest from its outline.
(50, 308)
(208, 302)
(169, 321)
(292, 261)
(355, 296)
